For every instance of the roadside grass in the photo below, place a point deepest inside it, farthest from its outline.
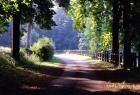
(116, 79)
(55, 62)
(105, 65)
(16, 77)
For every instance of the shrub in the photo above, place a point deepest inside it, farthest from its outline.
(44, 48)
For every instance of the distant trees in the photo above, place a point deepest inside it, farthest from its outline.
(63, 34)
(83, 42)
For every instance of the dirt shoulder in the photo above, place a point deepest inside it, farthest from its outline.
(116, 79)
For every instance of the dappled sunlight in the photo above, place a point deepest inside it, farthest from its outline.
(119, 86)
(50, 64)
(96, 61)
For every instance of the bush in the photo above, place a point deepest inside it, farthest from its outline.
(44, 48)
(28, 59)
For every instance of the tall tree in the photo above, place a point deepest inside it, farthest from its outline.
(16, 35)
(37, 11)
(127, 33)
(115, 31)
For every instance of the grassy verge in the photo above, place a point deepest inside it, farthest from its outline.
(55, 62)
(17, 79)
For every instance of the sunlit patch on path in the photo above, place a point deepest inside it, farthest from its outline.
(77, 74)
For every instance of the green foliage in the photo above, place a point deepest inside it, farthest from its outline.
(94, 18)
(77, 12)
(44, 48)
(26, 11)
(28, 58)
(33, 11)
(106, 39)
(3, 25)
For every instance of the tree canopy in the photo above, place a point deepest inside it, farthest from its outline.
(94, 17)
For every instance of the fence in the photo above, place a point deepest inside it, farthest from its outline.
(133, 58)
(79, 52)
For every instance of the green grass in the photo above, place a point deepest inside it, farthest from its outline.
(55, 62)
(8, 65)
(15, 76)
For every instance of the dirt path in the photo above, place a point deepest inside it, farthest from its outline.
(77, 79)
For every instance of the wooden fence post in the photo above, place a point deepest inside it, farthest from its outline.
(102, 56)
(107, 56)
(120, 58)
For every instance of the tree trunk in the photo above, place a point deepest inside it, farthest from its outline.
(115, 41)
(127, 36)
(28, 43)
(16, 36)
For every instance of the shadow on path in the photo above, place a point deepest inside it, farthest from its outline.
(78, 78)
